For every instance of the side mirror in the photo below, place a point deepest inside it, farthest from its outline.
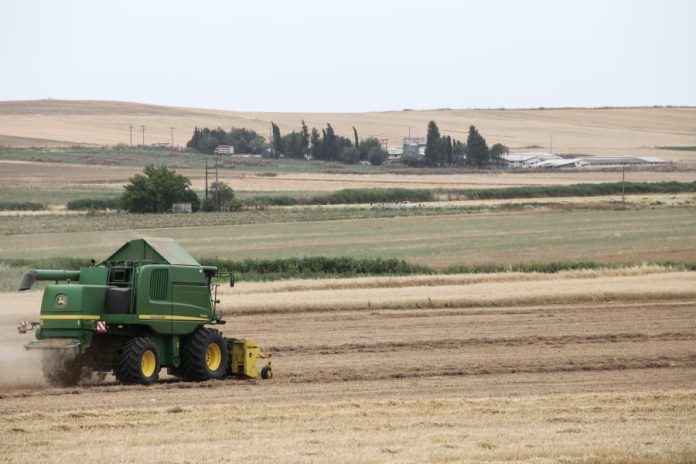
(231, 280)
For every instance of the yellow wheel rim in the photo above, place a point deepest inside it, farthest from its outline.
(147, 363)
(213, 356)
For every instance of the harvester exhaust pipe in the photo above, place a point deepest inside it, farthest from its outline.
(33, 275)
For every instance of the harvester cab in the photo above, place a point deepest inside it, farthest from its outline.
(145, 307)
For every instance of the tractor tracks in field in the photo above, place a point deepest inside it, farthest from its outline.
(526, 371)
(456, 343)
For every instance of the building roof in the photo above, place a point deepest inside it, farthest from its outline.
(560, 162)
(522, 157)
(159, 249)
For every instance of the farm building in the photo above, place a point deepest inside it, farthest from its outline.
(414, 147)
(547, 160)
(558, 163)
(224, 150)
(525, 160)
(596, 161)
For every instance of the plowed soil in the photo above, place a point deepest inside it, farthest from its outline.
(590, 382)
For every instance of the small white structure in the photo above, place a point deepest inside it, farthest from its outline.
(182, 208)
(224, 150)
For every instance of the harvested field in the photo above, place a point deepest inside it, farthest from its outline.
(112, 178)
(625, 131)
(582, 381)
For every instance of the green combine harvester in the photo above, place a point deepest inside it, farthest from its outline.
(147, 306)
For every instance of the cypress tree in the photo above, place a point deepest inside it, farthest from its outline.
(476, 149)
(277, 139)
(305, 138)
(432, 145)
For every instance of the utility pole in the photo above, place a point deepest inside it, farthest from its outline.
(623, 185)
(217, 186)
(172, 133)
(551, 149)
(143, 128)
(130, 131)
(384, 143)
(206, 179)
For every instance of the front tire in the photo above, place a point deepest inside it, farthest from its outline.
(205, 355)
(138, 362)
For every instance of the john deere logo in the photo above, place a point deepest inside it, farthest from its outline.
(61, 300)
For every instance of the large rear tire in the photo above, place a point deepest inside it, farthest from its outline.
(138, 362)
(204, 355)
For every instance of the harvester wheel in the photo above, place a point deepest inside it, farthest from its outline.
(266, 373)
(139, 362)
(204, 355)
(61, 368)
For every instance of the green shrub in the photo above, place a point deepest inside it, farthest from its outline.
(21, 206)
(271, 200)
(348, 196)
(94, 203)
(576, 190)
(316, 266)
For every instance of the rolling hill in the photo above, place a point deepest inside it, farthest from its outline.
(611, 131)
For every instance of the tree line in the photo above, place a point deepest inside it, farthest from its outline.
(244, 140)
(444, 151)
(326, 145)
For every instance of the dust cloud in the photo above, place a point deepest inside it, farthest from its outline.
(19, 368)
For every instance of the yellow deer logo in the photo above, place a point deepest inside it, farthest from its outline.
(61, 300)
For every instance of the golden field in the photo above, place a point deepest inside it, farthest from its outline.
(502, 378)
(621, 131)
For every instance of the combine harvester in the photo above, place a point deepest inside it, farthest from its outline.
(145, 307)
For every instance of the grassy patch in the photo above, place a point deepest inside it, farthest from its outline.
(437, 237)
(123, 155)
(57, 193)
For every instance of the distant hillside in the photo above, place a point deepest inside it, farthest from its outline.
(630, 131)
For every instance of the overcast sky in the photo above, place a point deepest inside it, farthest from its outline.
(351, 55)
